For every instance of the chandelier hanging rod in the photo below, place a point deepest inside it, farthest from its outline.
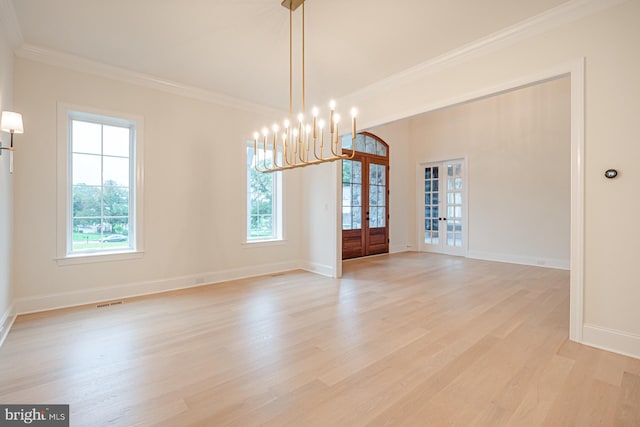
(297, 141)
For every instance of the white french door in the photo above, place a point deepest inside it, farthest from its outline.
(443, 200)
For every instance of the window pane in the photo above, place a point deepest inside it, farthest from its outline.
(86, 169)
(346, 170)
(262, 215)
(346, 141)
(115, 201)
(115, 232)
(373, 195)
(370, 145)
(381, 150)
(86, 137)
(357, 172)
(116, 171)
(357, 218)
(86, 201)
(346, 195)
(86, 234)
(360, 142)
(356, 195)
(381, 196)
(427, 173)
(381, 217)
(116, 141)
(101, 203)
(373, 217)
(346, 219)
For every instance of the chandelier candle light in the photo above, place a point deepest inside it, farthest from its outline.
(298, 140)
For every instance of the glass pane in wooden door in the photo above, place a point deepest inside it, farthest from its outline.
(377, 195)
(351, 195)
(431, 205)
(454, 204)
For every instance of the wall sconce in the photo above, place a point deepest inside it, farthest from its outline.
(10, 122)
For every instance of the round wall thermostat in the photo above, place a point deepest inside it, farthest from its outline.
(611, 173)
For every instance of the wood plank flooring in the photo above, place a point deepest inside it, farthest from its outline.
(402, 340)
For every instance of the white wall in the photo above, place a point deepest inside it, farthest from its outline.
(6, 182)
(517, 147)
(194, 193)
(608, 41)
(320, 218)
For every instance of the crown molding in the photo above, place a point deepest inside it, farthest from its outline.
(9, 21)
(77, 63)
(553, 18)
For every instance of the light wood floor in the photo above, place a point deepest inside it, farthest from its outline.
(409, 339)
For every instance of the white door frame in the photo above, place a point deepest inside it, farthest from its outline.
(420, 196)
(575, 70)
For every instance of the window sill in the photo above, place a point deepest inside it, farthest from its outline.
(98, 257)
(263, 243)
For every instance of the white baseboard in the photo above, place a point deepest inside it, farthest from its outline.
(6, 321)
(395, 249)
(611, 340)
(317, 268)
(562, 264)
(96, 295)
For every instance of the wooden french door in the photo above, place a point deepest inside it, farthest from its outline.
(365, 199)
(443, 200)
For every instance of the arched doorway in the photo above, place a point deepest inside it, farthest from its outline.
(365, 197)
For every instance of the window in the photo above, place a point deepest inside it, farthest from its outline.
(264, 198)
(100, 193)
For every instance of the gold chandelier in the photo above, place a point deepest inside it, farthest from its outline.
(301, 144)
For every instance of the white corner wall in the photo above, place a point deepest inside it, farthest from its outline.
(517, 148)
(6, 187)
(607, 40)
(194, 181)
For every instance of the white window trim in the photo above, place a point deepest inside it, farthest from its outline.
(279, 220)
(63, 255)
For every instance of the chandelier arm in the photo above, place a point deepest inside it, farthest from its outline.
(301, 149)
(313, 162)
(334, 145)
(315, 149)
(275, 151)
(255, 157)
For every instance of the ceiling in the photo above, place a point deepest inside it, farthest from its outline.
(240, 47)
